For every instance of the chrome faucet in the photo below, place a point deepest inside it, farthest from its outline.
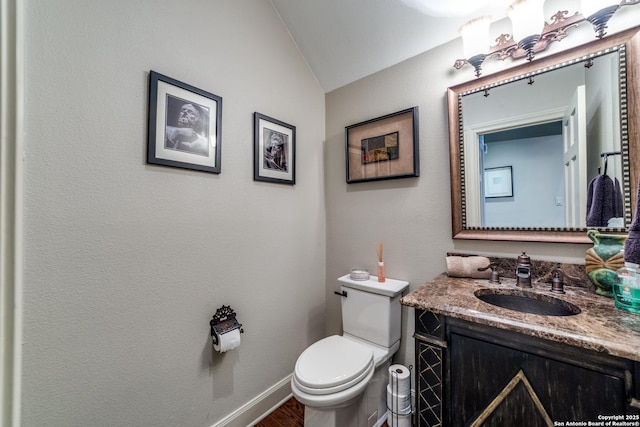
(523, 271)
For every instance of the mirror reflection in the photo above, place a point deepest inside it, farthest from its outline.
(546, 150)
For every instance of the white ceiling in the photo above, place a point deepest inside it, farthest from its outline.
(345, 40)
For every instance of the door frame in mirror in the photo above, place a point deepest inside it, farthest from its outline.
(631, 39)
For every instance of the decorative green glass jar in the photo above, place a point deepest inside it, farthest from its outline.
(604, 259)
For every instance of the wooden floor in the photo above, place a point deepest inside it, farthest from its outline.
(290, 414)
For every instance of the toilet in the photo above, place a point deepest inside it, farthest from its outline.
(342, 379)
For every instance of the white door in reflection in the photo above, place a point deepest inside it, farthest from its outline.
(574, 136)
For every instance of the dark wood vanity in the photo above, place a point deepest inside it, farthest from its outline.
(478, 364)
(482, 365)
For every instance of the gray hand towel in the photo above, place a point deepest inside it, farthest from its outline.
(632, 244)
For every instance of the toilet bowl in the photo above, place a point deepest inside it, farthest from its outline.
(333, 372)
(342, 379)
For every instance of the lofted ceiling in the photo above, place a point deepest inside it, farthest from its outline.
(345, 40)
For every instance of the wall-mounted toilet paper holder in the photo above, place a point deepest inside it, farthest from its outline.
(222, 322)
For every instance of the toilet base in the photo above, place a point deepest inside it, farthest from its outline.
(369, 410)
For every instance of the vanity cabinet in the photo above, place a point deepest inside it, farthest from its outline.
(471, 374)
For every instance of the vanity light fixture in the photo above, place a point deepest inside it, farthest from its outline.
(475, 38)
(531, 33)
(527, 21)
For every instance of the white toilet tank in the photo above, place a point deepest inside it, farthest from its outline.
(372, 310)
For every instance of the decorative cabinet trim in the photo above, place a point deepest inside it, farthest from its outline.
(430, 384)
(430, 340)
(429, 323)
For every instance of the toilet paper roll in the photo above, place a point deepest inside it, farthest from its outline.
(400, 380)
(399, 404)
(228, 341)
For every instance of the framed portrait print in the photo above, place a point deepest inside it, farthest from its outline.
(274, 150)
(498, 182)
(383, 148)
(184, 125)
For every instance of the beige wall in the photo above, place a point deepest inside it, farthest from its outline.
(125, 263)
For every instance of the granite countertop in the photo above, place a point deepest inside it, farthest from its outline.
(600, 326)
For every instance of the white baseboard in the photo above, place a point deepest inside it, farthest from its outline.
(259, 407)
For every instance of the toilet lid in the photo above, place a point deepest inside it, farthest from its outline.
(333, 361)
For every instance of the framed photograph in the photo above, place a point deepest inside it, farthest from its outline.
(498, 182)
(274, 151)
(184, 125)
(383, 148)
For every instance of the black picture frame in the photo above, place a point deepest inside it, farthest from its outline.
(185, 125)
(274, 150)
(498, 182)
(383, 148)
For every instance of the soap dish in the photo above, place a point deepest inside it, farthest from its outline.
(359, 274)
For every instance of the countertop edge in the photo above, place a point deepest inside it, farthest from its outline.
(600, 327)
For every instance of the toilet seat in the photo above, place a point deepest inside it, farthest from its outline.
(337, 388)
(334, 400)
(333, 364)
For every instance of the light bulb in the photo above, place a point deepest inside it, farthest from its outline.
(527, 18)
(475, 36)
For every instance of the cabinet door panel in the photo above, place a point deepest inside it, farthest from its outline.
(430, 382)
(504, 386)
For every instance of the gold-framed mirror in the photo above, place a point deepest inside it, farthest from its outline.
(479, 207)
